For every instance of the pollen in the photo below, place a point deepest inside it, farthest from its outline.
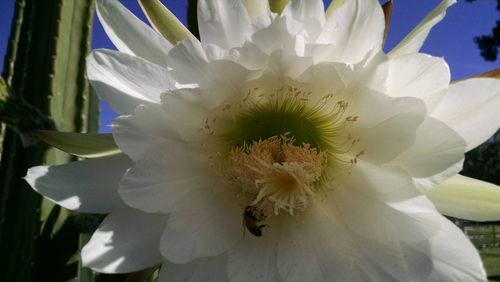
(277, 174)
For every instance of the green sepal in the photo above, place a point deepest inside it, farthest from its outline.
(3, 88)
(467, 198)
(83, 145)
(277, 6)
(164, 21)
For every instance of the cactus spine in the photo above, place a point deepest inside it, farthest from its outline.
(45, 65)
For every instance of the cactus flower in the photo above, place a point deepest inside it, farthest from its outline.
(277, 147)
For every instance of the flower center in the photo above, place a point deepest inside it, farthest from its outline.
(278, 148)
(277, 173)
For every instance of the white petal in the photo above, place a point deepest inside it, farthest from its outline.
(448, 256)
(354, 29)
(420, 76)
(426, 183)
(471, 109)
(195, 101)
(437, 147)
(249, 56)
(344, 80)
(282, 64)
(452, 255)
(325, 78)
(158, 181)
(254, 258)
(258, 11)
(406, 220)
(467, 198)
(126, 241)
(129, 34)
(210, 269)
(143, 131)
(189, 62)
(126, 81)
(203, 223)
(310, 13)
(385, 261)
(314, 248)
(386, 126)
(226, 80)
(86, 186)
(279, 35)
(444, 255)
(303, 10)
(223, 22)
(381, 183)
(415, 39)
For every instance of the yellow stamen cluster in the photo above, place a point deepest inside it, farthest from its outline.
(277, 173)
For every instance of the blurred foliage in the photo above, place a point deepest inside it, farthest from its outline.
(489, 44)
(484, 161)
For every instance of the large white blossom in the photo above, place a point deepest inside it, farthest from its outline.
(295, 125)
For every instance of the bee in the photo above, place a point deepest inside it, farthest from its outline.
(251, 218)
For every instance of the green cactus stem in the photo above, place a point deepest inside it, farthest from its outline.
(45, 69)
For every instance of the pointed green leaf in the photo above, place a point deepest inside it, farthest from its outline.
(83, 145)
(415, 39)
(277, 6)
(467, 198)
(3, 86)
(164, 21)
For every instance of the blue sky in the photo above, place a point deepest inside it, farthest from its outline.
(451, 39)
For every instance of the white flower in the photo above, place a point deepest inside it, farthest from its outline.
(278, 147)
